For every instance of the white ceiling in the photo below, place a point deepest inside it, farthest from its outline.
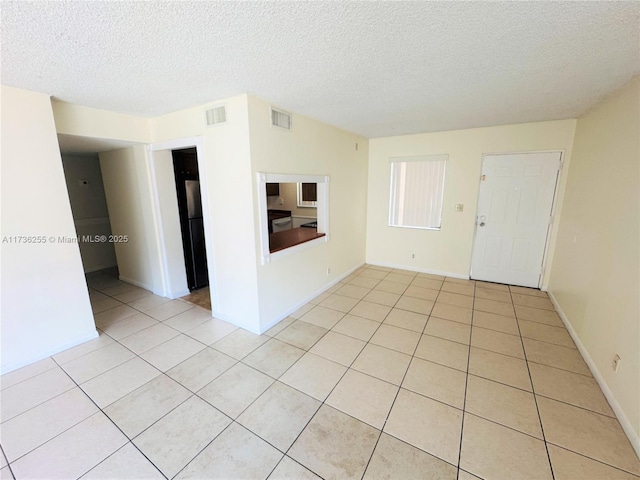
(375, 68)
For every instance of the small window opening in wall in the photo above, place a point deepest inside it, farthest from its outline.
(283, 233)
(417, 191)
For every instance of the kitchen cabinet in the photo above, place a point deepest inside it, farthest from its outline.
(273, 189)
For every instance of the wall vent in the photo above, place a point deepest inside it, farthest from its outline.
(216, 115)
(280, 119)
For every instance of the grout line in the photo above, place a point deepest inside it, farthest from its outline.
(366, 467)
(322, 403)
(466, 384)
(101, 410)
(8, 465)
(533, 390)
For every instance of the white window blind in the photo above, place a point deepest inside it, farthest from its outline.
(417, 189)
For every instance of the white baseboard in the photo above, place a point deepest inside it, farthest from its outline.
(420, 270)
(633, 436)
(41, 356)
(289, 311)
(141, 285)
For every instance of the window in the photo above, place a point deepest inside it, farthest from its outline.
(307, 194)
(417, 189)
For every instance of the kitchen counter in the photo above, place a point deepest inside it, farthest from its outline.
(294, 236)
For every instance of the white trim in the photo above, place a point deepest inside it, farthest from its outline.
(633, 436)
(322, 213)
(553, 226)
(41, 356)
(158, 226)
(289, 311)
(419, 270)
(175, 144)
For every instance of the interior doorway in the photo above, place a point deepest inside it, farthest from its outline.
(88, 202)
(514, 216)
(184, 231)
(185, 165)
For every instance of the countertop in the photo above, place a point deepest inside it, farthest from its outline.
(294, 236)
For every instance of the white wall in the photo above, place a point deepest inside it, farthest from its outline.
(310, 148)
(89, 207)
(92, 122)
(127, 187)
(170, 224)
(448, 251)
(595, 278)
(45, 301)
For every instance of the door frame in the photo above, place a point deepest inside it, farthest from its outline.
(177, 144)
(553, 226)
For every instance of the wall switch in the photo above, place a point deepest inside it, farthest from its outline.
(459, 207)
(281, 200)
(615, 364)
(413, 255)
(328, 270)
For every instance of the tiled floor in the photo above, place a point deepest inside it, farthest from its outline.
(388, 374)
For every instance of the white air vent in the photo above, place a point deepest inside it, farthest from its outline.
(216, 115)
(280, 119)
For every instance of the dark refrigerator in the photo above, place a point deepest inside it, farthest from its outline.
(191, 220)
(196, 235)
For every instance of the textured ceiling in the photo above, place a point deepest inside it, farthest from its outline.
(375, 68)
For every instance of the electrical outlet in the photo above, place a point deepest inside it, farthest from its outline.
(459, 207)
(615, 364)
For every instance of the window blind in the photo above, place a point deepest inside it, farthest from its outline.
(417, 190)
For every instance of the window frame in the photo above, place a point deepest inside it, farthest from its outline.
(322, 182)
(305, 203)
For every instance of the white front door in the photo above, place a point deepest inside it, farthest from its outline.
(514, 214)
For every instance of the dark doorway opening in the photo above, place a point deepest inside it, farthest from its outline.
(185, 167)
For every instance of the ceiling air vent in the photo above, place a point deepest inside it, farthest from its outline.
(280, 119)
(216, 115)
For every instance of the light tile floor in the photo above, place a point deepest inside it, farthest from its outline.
(388, 374)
